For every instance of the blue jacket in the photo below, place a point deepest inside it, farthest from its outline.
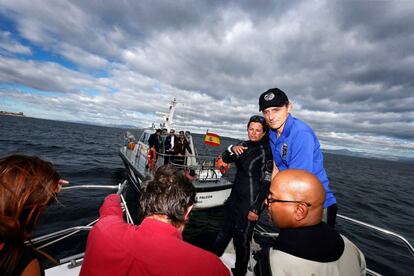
(299, 148)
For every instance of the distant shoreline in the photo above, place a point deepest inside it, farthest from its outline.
(8, 113)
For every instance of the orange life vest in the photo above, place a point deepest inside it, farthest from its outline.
(151, 158)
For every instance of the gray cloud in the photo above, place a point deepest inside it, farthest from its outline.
(346, 65)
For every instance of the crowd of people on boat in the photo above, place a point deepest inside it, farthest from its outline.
(279, 168)
(174, 148)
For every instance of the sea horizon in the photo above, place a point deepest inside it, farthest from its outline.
(339, 151)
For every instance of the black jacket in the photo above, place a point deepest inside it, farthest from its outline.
(181, 146)
(167, 144)
(252, 181)
(154, 141)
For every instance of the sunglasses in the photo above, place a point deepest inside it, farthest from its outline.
(270, 200)
(257, 119)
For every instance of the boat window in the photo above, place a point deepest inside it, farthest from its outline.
(142, 138)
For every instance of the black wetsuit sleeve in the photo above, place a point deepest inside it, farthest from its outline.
(267, 166)
(228, 157)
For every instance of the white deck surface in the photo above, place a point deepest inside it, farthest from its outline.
(63, 270)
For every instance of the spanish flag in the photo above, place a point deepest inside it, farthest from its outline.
(212, 139)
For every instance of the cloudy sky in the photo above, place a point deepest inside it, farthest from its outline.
(347, 66)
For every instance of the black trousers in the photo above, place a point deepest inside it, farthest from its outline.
(241, 242)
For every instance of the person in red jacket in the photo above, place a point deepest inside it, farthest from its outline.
(155, 247)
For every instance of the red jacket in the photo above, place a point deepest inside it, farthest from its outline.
(152, 248)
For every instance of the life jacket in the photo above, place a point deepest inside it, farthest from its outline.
(151, 158)
(223, 167)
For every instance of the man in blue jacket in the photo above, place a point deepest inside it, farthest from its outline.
(294, 144)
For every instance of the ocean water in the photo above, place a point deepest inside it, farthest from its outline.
(378, 192)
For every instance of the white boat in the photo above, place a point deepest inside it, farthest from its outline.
(212, 189)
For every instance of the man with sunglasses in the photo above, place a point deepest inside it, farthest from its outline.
(305, 245)
(294, 144)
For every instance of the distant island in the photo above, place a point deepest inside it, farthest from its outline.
(11, 113)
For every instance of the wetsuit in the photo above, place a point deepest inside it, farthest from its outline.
(251, 186)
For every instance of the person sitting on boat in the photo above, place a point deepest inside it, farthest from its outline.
(180, 147)
(253, 159)
(155, 247)
(294, 144)
(305, 245)
(155, 140)
(169, 146)
(27, 186)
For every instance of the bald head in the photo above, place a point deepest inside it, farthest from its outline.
(307, 194)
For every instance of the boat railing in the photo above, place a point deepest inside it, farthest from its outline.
(203, 166)
(380, 230)
(54, 237)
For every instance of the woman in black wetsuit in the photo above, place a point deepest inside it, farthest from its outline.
(253, 159)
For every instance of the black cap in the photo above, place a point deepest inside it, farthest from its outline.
(272, 97)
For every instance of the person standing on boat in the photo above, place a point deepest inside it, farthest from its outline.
(180, 147)
(294, 144)
(156, 246)
(169, 146)
(305, 245)
(27, 186)
(154, 144)
(155, 140)
(253, 161)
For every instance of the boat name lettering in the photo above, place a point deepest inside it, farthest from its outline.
(204, 197)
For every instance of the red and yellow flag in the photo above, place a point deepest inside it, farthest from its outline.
(212, 139)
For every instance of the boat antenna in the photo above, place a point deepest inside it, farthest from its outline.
(169, 119)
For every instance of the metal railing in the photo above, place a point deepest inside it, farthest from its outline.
(381, 230)
(65, 233)
(204, 166)
(111, 187)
